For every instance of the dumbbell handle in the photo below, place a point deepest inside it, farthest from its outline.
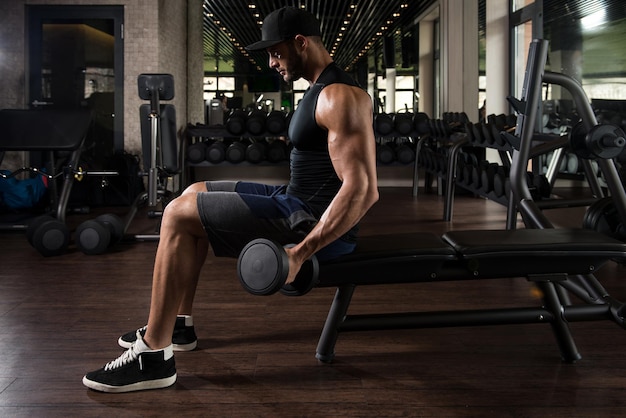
(612, 141)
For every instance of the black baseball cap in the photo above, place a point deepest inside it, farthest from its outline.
(283, 24)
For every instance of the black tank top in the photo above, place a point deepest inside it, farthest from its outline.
(313, 178)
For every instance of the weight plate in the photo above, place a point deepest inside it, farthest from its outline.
(116, 225)
(602, 216)
(262, 267)
(93, 237)
(35, 224)
(51, 238)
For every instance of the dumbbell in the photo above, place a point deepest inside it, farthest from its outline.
(255, 123)
(499, 181)
(488, 174)
(405, 153)
(263, 267)
(276, 122)
(277, 151)
(385, 154)
(542, 186)
(420, 122)
(196, 153)
(477, 175)
(216, 152)
(236, 122)
(256, 151)
(236, 152)
(48, 235)
(383, 124)
(403, 122)
(95, 236)
(602, 216)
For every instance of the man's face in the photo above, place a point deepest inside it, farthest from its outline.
(286, 59)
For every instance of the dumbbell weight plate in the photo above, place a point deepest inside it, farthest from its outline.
(383, 124)
(255, 152)
(51, 238)
(572, 163)
(262, 267)
(236, 122)
(255, 123)
(542, 185)
(93, 237)
(385, 154)
(404, 154)
(236, 152)
(277, 151)
(276, 122)
(216, 152)
(196, 153)
(499, 182)
(35, 224)
(602, 216)
(116, 226)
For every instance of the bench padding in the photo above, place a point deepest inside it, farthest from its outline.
(388, 259)
(43, 130)
(458, 255)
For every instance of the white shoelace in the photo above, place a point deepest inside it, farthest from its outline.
(129, 356)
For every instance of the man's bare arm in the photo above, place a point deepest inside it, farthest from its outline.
(346, 112)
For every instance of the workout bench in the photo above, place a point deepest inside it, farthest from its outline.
(49, 131)
(546, 257)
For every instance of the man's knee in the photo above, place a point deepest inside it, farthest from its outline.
(197, 187)
(182, 210)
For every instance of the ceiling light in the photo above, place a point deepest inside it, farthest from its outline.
(593, 20)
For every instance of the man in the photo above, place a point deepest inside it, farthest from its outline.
(332, 186)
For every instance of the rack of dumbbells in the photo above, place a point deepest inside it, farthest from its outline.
(438, 138)
(397, 135)
(450, 153)
(246, 137)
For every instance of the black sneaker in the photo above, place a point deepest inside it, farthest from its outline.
(135, 370)
(183, 339)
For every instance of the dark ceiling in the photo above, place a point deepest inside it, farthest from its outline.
(349, 27)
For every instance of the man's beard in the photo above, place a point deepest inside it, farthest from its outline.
(294, 68)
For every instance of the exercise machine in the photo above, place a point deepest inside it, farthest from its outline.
(160, 154)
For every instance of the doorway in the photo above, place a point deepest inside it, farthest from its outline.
(76, 60)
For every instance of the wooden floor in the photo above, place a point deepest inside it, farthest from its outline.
(60, 317)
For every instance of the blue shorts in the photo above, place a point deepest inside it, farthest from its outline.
(234, 213)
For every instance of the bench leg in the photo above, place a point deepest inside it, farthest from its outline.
(336, 315)
(564, 339)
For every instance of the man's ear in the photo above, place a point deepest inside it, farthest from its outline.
(301, 41)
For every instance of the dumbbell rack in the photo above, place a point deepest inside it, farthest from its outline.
(396, 136)
(491, 180)
(446, 153)
(203, 137)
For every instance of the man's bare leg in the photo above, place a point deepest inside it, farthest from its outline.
(189, 292)
(180, 254)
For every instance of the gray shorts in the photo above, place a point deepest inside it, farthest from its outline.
(234, 213)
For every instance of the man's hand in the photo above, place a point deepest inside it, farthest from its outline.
(295, 264)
